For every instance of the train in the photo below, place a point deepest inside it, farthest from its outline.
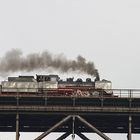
(54, 86)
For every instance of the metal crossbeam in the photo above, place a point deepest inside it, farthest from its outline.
(93, 128)
(53, 128)
(64, 136)
(82, 136)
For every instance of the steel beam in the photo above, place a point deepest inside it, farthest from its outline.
(82, 136)
(17, 126)
(63, 136)
(53, 128)
(93, 128)
(73, 127)
(130, 128)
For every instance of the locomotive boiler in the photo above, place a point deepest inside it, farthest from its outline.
(53, 85)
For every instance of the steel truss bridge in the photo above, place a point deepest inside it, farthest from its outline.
(71, 114)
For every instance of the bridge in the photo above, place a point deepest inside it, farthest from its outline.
(73, 115)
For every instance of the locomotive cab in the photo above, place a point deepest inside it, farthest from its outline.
(42, 78)
(46, 83)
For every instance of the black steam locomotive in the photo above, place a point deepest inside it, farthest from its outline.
(53, 85)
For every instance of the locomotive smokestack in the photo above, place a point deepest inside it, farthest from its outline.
(97, 76)
(14, 61)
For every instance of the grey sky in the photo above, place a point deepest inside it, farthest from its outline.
(104, 31)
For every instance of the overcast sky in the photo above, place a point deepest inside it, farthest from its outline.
(106, 32)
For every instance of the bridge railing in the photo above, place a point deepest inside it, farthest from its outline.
(127, 93)
(114, 98)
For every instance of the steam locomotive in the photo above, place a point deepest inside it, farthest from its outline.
(53, 85)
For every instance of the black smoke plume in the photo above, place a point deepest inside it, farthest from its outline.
(14, 61)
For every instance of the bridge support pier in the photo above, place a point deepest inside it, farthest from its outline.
(17, 127)
(130, 128)
(73, 133)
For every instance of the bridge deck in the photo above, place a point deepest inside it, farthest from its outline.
(39, 113)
